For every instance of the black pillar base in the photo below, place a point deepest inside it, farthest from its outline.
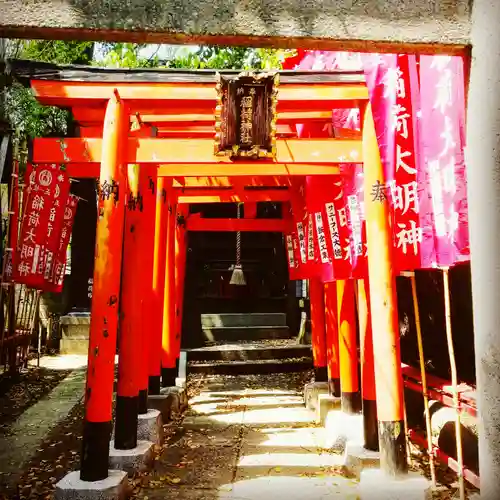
(142, 408)
(334, 387)
(126, 422)
(320, 374)
(393, 448)
(154, 384)
(370, 424)
(351, 402)
(95, 450)
(168, 376)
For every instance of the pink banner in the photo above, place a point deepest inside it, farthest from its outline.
(393, 88)
(442, 146)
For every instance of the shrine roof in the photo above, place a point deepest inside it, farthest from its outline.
(25, 70)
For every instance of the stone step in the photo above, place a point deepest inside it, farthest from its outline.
(235, 333)
(247, 352)
(251, 367)
(242, 319)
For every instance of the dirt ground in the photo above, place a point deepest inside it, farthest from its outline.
(182, 456)
(17, 394)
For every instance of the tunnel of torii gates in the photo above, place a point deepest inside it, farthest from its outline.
(139, 136)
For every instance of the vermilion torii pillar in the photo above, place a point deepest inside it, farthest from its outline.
(348, 354)
(180, 273)
(147, 188)
(384, 312)
(168, 356)
(130, 341)
(105, 294)
(318, 334)
(332, 339)
(158, 285)
(368, 390)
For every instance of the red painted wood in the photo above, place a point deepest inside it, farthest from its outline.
(107, 269)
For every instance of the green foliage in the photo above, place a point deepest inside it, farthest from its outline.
(238, 58)
(29, 118)
(126, 55)
(26, 116)
(58, 52)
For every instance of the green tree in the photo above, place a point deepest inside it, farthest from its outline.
(26, 116)
(237, 58)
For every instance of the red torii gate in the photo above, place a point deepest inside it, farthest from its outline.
(163, 129)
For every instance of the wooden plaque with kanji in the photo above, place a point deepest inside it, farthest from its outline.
(245, 119)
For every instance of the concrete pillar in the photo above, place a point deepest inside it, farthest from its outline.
(483, 169)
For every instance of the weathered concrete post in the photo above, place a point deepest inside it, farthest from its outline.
(483, 179)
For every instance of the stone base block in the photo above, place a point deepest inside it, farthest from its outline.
(325, 404)
(311, 393)
(162, 403)
(376, 485)
(139, 458)
(114, 487)
(150, 427)
(180, 382)
(358, 458)
(169, 402)
(340, 428)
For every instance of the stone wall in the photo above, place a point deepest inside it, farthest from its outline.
(340, 24)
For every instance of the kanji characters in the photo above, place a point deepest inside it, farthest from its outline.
(400, 156)
(33, 219)
(38, 202)
(411, 236)
(405, 196)
(378, 192)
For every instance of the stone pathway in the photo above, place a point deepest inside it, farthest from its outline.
(242, 442)
(30, 429)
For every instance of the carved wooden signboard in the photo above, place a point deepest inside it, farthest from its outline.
(245, 116)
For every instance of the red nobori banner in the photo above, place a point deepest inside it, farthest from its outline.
(354, 197)
(442, 145)
(316, 196)
(405, 191)
(60, 260)
(337, 229)
(393, 88)
(43, 213)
